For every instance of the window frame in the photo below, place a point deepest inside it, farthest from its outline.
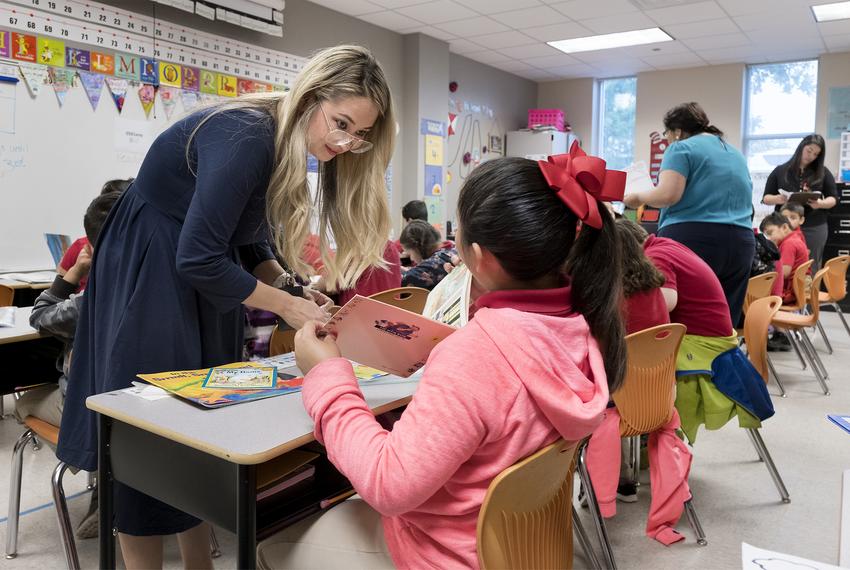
(598, 126)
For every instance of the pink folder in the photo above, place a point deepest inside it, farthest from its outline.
(386, 337)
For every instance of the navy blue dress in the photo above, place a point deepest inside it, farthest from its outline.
(169, 274)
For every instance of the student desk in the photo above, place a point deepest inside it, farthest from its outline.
(12, 284)
(204, 461)
(22, 329)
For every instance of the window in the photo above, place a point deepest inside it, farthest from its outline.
(617, 98)
(779, 110)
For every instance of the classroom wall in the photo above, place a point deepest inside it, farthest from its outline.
(576, 98)
(507, 95)
(833, 71)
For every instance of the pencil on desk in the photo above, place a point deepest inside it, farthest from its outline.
(334, 500)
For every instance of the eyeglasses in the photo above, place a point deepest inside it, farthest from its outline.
(338, 137)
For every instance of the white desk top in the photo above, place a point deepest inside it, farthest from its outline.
(16, 284)
(247, 433)
(22, 329)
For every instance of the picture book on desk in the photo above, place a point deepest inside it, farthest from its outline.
(189, 384)
(449, 301)
(386, 337)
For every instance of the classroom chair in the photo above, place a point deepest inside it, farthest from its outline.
(756, 322)
(50, 433)
(526, 519)
(800, 289)
(758, 287)
(409, 298)
(795, 324)
(7, 296)
(836, 289)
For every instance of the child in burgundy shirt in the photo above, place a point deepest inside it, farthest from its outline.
(792, 254)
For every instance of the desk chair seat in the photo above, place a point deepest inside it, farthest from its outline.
(7, 296)
(526, 518)
(409, 298)
(801, 292)
(836, 290)
(796, 324)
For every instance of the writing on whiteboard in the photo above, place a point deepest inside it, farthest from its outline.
(12, 157)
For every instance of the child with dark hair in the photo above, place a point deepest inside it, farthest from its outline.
(792, 254)
(421, 243)
(644, 306)
(56, 312)
(414, 210)
(70, 258)
(534, 365)
(795, 213)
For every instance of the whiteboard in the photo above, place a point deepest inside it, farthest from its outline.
(56, 161)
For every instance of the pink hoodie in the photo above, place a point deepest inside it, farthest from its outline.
(501, 388)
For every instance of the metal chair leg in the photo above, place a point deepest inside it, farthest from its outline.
(796, 348)
(578, 530)
(2, 406)
(808, 341)
(840, 313)
(91, 483)
(598, 521)
(755, 444)
(15, 494)
(824, 337)
(782, 393)
(65, 530)
(215, 551)
(36, 444)
(801, 345)
(755, 434)
(694, 522)
(634, 447)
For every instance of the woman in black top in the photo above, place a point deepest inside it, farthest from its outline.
(805, 172)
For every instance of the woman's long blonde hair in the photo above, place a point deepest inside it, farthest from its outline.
(352, 187)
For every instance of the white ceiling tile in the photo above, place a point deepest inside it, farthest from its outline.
(769, 42)
(537, 75)
(393, 4)
(461, 46)
(437, 12)
(513, 66)
(670, 60)
(351, 7)
(746, 7)
(838, 27)
(530, 17)
(656, 49)
(618, 23)
(487, 56)
(701, 29)
(790, 18)
(497, 6)
(687, 13)
(435, 33)
(534, 50)
(556, 32)
(621, 68)
(587, 9)
(721, 41)
(391, 20)
(571, 71)
(473, 27)
(551, 61)
(837, 43)
(504, 40)
(733, 55)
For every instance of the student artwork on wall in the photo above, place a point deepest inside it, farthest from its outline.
(433, 180)
(838, 117)
(94, 38)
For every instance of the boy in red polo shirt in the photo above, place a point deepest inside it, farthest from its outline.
(792, 254)
(795, 214)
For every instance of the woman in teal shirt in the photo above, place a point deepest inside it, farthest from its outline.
(705, 195)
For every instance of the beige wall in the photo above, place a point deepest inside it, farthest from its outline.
(575, 97)
(833, 71)
(718, 88)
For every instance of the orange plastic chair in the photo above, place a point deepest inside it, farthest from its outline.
(7, 296)
(795, 325)
(759, 287)
(836, 290)
(800, 290)
(409, 298)
(756, 323)
(524, 521)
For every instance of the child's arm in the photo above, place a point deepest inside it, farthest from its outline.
(443, 426)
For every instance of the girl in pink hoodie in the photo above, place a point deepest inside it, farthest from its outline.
(534, 365)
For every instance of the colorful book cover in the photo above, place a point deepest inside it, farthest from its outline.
(128, 67)
(149, 71)
(209, 82)
(169, 74)
(51, 52)
(191, 78)
(226, 85)
(23, 47)
(385, 337)
(5, 43)
(58, 244)
(78, 58)
(189, 384)
(245, 378)
(103, 63)
(449, 301)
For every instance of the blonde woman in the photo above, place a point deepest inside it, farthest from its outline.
(188, 245)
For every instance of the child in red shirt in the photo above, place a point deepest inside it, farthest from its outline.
(795, 214)
(793, 253)
(644, 305)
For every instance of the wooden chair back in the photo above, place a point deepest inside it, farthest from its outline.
(525, 521)
(645, 400)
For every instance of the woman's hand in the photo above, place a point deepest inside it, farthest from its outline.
(314, 345)
(297, 311)
(774, 199)
(816, 204)
(633, 200)
(318, 297)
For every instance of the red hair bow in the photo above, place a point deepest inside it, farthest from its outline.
(580, 180)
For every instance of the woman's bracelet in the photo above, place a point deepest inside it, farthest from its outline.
(287, 283)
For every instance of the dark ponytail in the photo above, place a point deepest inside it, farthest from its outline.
(691, 118)
(507, 207)
(421, 237)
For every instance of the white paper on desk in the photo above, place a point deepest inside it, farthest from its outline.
(753, 558)
(637, 177)
(34, 277)
(7, 316)
(147, 391)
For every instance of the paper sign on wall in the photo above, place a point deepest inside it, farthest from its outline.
(51, 52)
(127, 66)
(149, 72)
(23, 47)
(209, 82)
(132, 136)
(102, 63)
(169, 74)
(433, 180)
(435, 209)
(838, 117)
(434, 150)
(227, 85)
(429, 127)
(191, 78)
(78, 58)
(5, 43)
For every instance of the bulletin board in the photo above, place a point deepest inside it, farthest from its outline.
(68, 127)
